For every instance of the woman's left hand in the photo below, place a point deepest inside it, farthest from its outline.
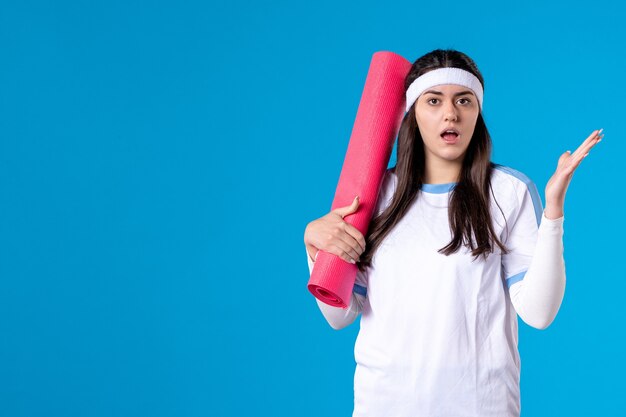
(558, 183)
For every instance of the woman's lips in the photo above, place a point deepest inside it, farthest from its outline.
(450, 138)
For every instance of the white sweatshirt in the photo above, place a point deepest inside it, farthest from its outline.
(536, 298)
(438, 334)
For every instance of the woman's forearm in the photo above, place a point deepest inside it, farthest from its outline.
(537, 298)
(338, 317)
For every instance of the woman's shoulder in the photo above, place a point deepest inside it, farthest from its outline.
(516, 187)
(508, 179)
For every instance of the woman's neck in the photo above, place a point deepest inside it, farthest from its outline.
(442, 172)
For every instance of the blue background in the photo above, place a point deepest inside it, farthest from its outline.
(160, 162)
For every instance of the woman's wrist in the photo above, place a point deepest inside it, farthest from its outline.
(553, 212)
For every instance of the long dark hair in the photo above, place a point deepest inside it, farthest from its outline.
(468, 208)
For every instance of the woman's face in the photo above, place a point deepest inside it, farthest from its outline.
(446, 107)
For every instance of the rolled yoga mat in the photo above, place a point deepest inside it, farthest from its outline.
(375, 128)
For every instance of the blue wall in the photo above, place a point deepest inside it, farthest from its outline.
(160, 161)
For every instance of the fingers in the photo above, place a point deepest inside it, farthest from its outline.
(588, 143)
(344, 211)
(345, 241)
(356, 235)
(349, 245)
(572, 163)
(596, 140)
(345, 251)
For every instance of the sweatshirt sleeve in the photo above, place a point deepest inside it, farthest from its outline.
(538, 296)
(338, 317)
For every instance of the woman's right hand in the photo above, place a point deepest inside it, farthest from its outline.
(333, 235)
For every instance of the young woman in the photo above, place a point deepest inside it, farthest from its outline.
(458, 247)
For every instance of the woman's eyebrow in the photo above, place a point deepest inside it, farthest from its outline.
(439, 93)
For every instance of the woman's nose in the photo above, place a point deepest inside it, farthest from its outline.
(450, 112)
(451, 115)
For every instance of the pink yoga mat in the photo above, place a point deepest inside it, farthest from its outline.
(375, 128)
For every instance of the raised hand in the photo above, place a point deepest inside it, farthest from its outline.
(560, 180)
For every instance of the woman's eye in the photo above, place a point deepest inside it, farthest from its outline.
(466, 100)
(429, 100)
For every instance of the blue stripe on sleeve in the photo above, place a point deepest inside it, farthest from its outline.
(359, 289)
(517, 277)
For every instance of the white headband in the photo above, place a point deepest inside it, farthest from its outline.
(441, 76)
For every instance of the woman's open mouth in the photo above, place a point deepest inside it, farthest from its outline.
(450, 137)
